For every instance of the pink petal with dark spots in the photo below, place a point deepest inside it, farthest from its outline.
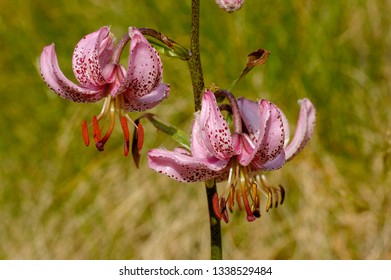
(91, 55)
(255, 118)
(244, 148)
(145, 67)
(61, 85)
(272, 143)
(181, 167)
(148, 101)
(215, 128)
(142, 86)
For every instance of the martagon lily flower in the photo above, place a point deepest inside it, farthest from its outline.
(96, 67)
(259, 142)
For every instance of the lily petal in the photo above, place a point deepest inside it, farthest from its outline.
(305, 128)
(255, 118)
(199, 141)
(61, 85)
(244, 148)
(215, 128)
(91, 55)
(273, 141)
(182, 167)
(148, 101)
(276, 163)
(145, 68)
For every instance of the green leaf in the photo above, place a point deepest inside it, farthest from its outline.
(176, 50)
(178, 135)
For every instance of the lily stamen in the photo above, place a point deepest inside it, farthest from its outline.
(100, 144)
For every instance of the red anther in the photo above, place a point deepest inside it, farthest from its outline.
(96, 132)
(84, 131)
(216, 206)
(125, 129)
(140, 136)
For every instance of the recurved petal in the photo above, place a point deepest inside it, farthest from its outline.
(272, 143)
(148, 101)
(182, 167)
(91, 55)
(304, 130)
(55, 79)
(145, 68)
(215, 128)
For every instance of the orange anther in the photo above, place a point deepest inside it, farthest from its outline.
(97, 133)
(84, 131)
(125, 129)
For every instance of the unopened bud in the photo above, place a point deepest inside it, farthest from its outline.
(230, 5)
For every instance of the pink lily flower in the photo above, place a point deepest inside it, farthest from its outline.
(259, 142)
(96, 67)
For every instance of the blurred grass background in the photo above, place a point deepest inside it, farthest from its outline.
(61, 200)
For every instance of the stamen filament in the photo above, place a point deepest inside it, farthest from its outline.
(101, 143)
(216, 206)
(269, 204)
(105, 108)
(223, 210)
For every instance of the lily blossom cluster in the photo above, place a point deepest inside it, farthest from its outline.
(260, 141)
(230, 5)
(95, 64)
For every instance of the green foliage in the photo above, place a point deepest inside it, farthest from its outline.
(59, 199)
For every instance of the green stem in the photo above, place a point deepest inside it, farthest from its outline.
(216, 250)
(195, 60)
(198, 86)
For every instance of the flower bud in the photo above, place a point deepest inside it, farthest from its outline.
(230, 5)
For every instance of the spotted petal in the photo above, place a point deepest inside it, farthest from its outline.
(215, 128)
(200, 145)
(270, 154)
(148, 101)
(182, 167)
(254, 118)
(61, 85)
(143, 81)
(91, 55)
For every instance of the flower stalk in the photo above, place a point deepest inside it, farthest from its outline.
(197, 79)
